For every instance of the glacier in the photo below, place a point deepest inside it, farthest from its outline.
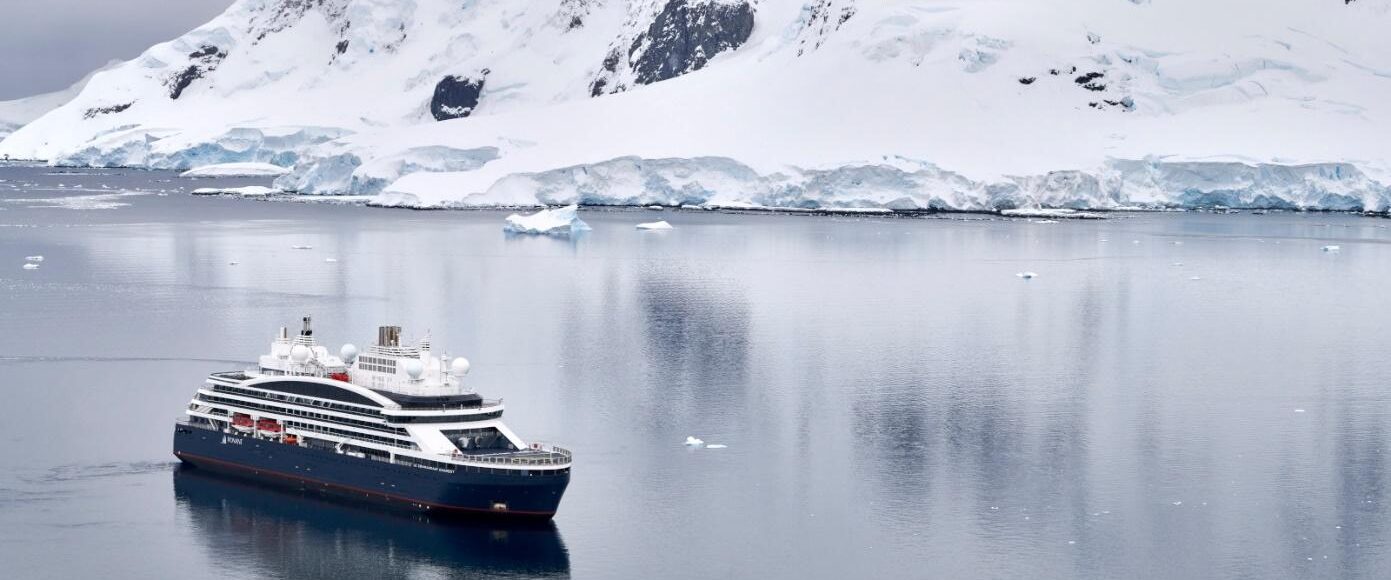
(827, 105)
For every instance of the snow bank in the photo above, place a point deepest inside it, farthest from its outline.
(561, 221)
(236, 170)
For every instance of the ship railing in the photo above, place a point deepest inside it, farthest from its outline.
(185, 422)
(537, 454)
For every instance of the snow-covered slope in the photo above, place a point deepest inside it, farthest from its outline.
(966, 104)
(16, 113)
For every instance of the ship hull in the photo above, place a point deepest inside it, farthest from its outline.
(466, 492)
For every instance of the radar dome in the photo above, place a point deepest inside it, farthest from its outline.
(414, 367)
(348, 353)
(459, 367)
(300, 353)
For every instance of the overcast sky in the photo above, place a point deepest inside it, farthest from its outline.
(45, 45)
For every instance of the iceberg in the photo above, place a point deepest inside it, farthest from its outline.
(693, 441)
(561, 221)
(31, 266)
(657, 225)
(249, 169)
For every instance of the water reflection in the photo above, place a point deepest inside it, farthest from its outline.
(288, 534)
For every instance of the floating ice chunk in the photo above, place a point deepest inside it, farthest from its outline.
(1045, 221)
(1331, 248)
(655, 207)
(716, 446)
(233, 263)
(33, 258)
(248, 191)
(692, 441)
(1027, 275)
(561, 221)
(31, 266)
(661, 225)
(1299, 410)
(1196, 278)
(236, 170)
(330, 260)
(301, 247)
(1178, 263)
(1178, 503)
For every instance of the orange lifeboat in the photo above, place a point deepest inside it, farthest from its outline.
(269, 427)
(340, 376)
(241, 422)
(291, 440)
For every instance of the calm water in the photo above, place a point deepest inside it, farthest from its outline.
(896, 402)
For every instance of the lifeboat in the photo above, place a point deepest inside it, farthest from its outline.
(291, 440)
(269, 427)
(241, 422)
(340, 376)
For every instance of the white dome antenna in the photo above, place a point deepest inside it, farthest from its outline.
(459, 367)
(300, 353)
(348, 353)
(414, 368)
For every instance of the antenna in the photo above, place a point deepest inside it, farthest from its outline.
(307, 331)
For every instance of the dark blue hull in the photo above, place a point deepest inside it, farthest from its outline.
(466, 491)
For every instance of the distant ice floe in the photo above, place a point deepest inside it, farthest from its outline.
(561, 221)
(301, 247)
(247, 169)
(1027, 275)
(1053, 213)
(331, 260)
(693, 441)
(247, 191)
(33, 258)
(1332, 248)
(31, 266)
(657, 225)
(716, 446)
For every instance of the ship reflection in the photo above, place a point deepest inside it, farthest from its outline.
(288, 534)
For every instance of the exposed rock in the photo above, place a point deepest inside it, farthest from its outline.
(823, 18)
(95, 111)
(683, 37)
(202, 61)
(456, 96)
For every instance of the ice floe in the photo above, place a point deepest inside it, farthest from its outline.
(1027, 275)
(31, 266)
(561, 221)
(716, 446)
(247, 191)
(658, 225)
(246, 169)
(1332, 248)
(33, 258)
(693, 441)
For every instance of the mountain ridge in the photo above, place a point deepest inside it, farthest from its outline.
(975, 105)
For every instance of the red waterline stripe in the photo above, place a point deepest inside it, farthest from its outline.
(258, 471)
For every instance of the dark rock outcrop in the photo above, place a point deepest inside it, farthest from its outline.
(683, 37)
(456, 96)
(98, 111)
(201, 62)
(686, 35)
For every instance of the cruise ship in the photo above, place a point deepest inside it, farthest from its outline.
(394, 423)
